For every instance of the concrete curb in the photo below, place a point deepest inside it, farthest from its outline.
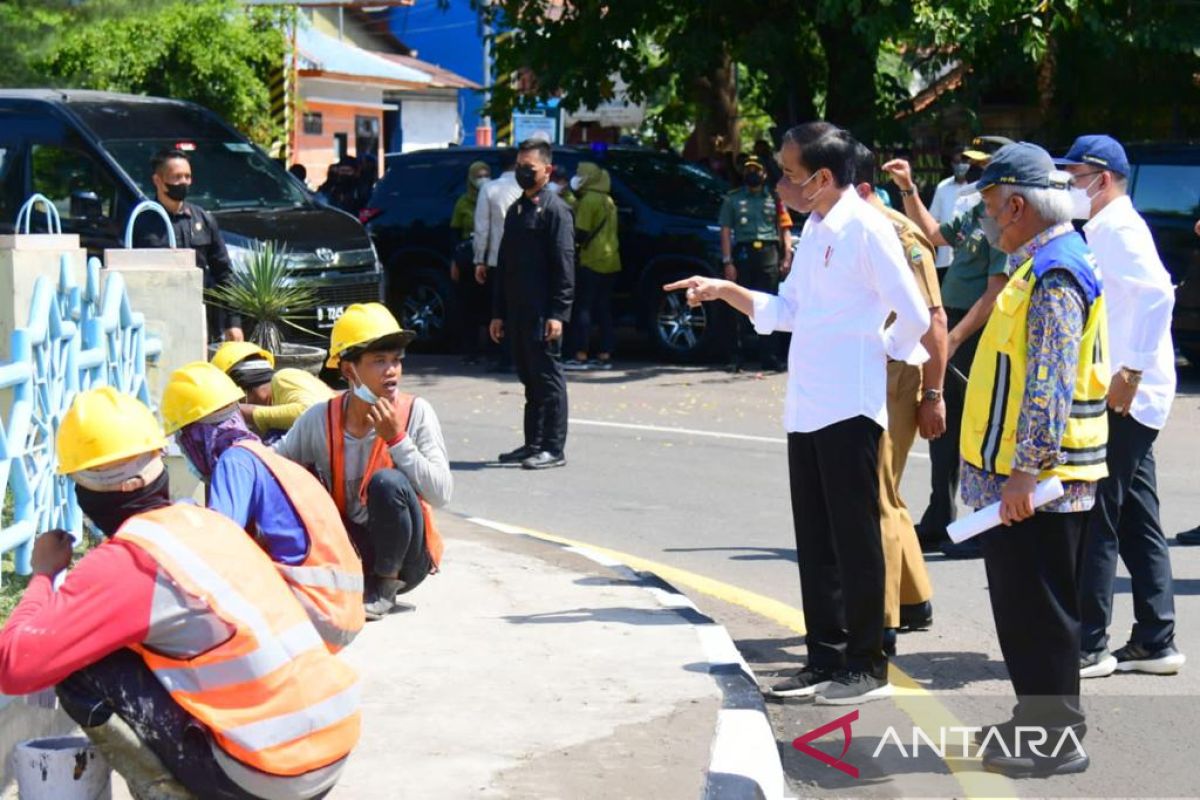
(744, 760)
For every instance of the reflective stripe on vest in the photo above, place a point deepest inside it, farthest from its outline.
(996, 388)
(329, 583)
(380, 458)
(270, 693)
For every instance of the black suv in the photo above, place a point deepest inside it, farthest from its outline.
(667, 213)
(89, 153)
(1165, 187)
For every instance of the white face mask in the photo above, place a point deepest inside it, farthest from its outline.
(576, 183)
(961, 169)
(480, 181)
(555, 188)
(815, 194)
(1081, 201)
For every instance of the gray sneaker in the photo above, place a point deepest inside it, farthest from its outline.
(852, 688)
(1134, 657)
(1097, 665)
(804, 683)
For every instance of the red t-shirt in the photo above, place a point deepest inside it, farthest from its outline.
(103, 605)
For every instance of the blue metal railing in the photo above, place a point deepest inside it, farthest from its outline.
(76, 338)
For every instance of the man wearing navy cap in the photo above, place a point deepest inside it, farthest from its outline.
(1125, 521)
(1034, 410)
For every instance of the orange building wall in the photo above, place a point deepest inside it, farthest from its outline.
(315, 152)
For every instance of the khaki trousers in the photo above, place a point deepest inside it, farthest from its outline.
(906, 581)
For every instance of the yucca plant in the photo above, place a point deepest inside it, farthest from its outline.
(261, 289)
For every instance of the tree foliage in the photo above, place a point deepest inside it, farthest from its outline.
(211, 52)
(852, 60)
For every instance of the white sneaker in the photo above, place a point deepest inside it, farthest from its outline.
(1136, 658)
(1097, 665)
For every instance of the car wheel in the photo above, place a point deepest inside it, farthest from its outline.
(680, 333)
(426, 306)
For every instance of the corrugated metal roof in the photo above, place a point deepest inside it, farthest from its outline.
(319, 51)
(439, 75)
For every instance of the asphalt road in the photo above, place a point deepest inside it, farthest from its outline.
(687, 467)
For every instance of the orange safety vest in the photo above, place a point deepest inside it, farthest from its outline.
(379, 459)
(329, 583)
(271, 694)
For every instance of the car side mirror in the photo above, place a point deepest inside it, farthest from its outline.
(86, 205)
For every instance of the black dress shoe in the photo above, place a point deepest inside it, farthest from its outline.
(544, 460)
(1071, 761)
(889, 642)
(517, 456)
(1189, 537)
(916, 617)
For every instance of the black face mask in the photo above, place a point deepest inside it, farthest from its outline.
(526, 177)
(753, 179)
(108, 511)
(176, 191)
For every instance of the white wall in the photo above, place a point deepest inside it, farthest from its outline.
(429, 122)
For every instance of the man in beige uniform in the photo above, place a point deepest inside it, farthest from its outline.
(914, 402)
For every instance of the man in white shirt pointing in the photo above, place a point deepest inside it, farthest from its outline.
(1125, 519)
(848, 275)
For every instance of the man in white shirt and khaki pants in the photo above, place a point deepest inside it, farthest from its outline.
(848, 275)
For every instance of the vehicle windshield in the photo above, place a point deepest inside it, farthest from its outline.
(1168, 189)
(670, 185)
(225, 174)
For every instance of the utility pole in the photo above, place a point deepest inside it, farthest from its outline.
(483, 132)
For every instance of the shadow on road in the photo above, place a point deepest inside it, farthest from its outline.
(623, 615)
(749, 553)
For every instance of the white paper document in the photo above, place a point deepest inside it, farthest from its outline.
(988, 517)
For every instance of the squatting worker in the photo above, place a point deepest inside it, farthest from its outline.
(531, 303)
(848, 275)
(275, 399)
(914, 403)
(752, 238)
(975, 276)
(171, 173)
(1039, 376)
(1125, 521)
(175, 644)
(381, 454)
(275, 500)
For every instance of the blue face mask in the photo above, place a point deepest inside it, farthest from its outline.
(362, 392)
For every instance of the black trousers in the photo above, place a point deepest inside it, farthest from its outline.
(392, 543)
(944, 450)
(834, 475)
(1032, 570)
(593, 302)
(545, 385)
(122, 684)
(758, 271)
(1125, 521)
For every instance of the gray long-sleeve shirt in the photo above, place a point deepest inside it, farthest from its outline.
(421, 455)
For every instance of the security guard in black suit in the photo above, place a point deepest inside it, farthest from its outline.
(752, 238)
(194, 228)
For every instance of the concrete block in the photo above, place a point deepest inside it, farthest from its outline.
(168, 289)
(19, 722)
(20, 267)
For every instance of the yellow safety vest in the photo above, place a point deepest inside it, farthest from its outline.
(996, 387)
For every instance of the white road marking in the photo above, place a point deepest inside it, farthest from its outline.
(629, 426)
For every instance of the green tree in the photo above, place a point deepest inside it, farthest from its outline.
(211, 52)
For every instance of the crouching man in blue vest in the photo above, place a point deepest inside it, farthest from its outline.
(1035, 408)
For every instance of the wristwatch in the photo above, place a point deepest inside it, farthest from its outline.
(1133, 377)
(931, 394)
(909, 192)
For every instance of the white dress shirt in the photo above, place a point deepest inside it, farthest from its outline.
(848, 275)
(492, 204)
(1139, 298)
(942, 209)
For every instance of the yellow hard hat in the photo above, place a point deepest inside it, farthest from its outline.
(232, 353)
(364, 324)
(194, 391)
(104, 426)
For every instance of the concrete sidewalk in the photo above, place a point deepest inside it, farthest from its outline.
(530, 671)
